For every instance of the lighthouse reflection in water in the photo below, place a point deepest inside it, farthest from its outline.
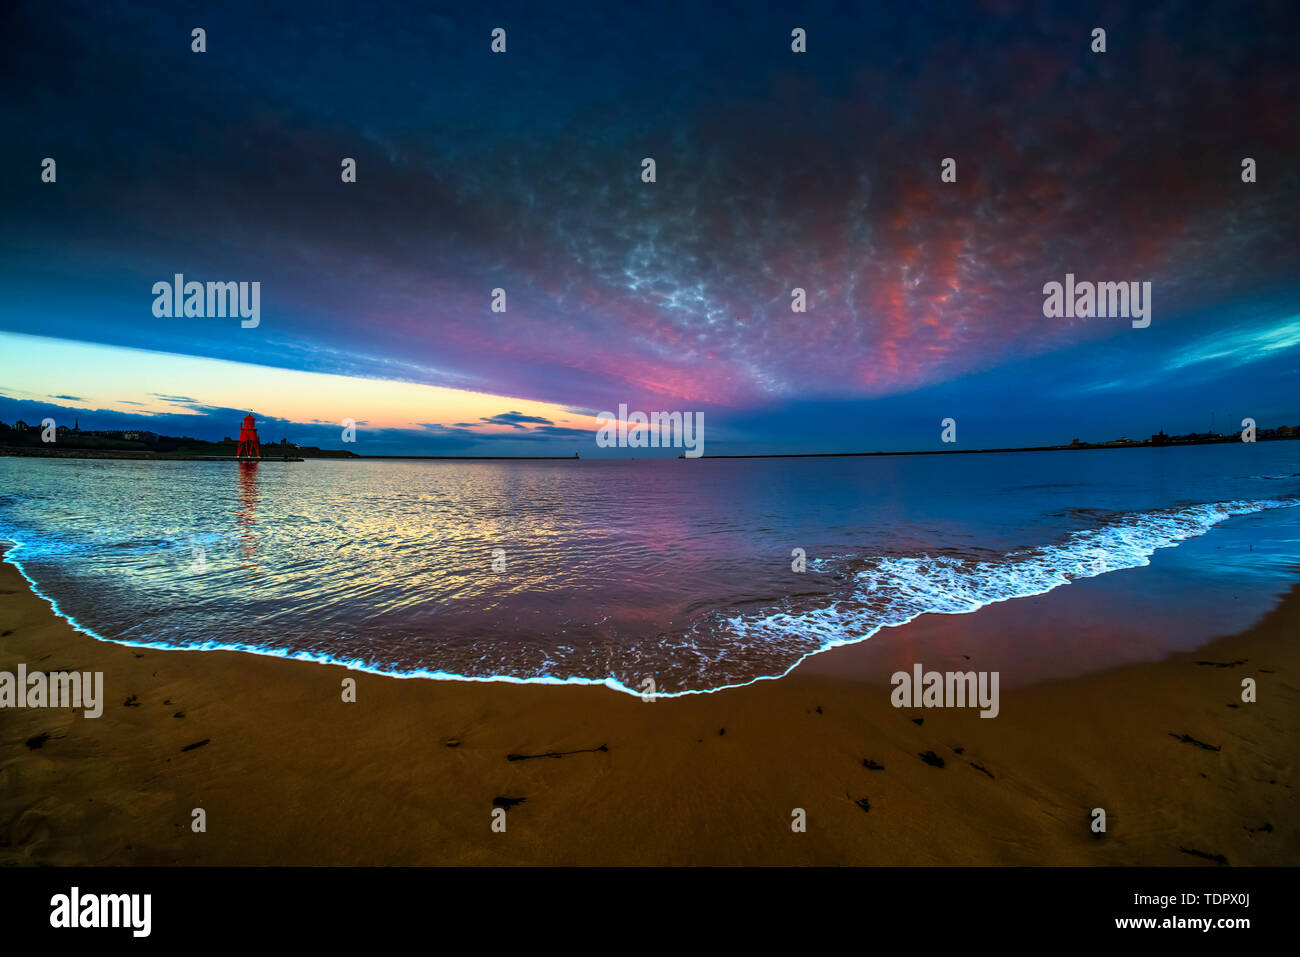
(248, 452)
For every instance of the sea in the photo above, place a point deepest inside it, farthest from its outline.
(675, 576)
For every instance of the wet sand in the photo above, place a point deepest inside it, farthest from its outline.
(287, 773)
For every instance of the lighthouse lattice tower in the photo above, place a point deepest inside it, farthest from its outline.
(249, 449)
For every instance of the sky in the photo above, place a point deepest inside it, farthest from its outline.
(522, 171)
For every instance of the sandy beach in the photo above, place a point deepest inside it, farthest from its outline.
(287, 773)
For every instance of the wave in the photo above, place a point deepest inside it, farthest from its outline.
(892, 591)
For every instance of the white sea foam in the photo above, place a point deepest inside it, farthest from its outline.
(891, 591)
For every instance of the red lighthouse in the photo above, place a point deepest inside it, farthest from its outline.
(249, 450)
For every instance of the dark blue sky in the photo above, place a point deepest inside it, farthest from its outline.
(775, 170)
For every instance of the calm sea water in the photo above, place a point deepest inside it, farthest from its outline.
(615, 572)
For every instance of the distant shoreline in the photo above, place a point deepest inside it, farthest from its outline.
(479, 458)
(1081, 447)
(131, 454)
(34, 452)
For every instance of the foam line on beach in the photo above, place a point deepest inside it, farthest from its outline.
(892, 591)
